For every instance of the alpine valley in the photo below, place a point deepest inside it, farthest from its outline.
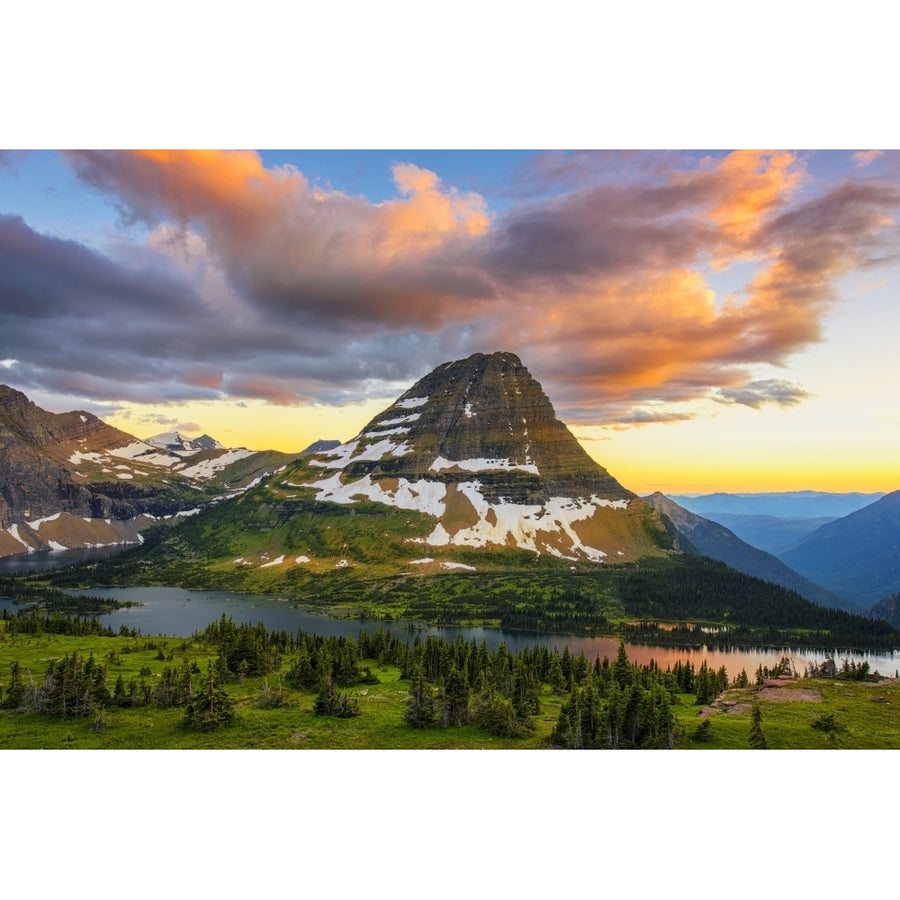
(465, 501)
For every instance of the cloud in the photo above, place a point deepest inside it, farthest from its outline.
(757, 393)
(601, 274)
(864, 157)
(309, 257)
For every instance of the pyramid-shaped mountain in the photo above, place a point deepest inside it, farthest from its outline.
(477, 445)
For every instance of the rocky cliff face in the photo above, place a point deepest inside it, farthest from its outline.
(477, 444)
(34, 480)
(55, 432)
(486, 408)
(63, 467)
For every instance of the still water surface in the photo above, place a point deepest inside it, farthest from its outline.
(25, 563)
(179, 612)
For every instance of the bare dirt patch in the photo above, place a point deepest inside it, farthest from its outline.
(795, 695)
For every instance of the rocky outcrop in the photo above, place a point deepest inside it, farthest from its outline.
(477, 445)
(486, 407)
(54, 433)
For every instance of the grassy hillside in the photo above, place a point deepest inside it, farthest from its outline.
(803, 713)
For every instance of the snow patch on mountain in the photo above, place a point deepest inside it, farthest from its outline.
(143, 453)
(13, 531)
(400, 420)
(422, 496)
(481, 465)
(207, 468)
(342, 456)
(36, 524)
(526, 526)
(386, 431)
(412, 402)
(175, 441)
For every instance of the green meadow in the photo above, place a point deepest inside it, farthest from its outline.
(269, 713)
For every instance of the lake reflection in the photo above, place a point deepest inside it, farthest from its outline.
(178, 612)
(26, 563)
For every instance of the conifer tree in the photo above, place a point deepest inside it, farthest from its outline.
(15, 693)
(556, 677)
(621, 667)
(210, 707)
(331, 702)
(757, 738)
(455, 699)
(420, 709)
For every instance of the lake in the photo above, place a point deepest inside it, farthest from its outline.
(25, 563)
(179, 612)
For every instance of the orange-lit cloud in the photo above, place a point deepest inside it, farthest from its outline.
(754, 185)
(601, 274)
(864, 157)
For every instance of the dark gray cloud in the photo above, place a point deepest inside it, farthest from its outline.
(758, 393)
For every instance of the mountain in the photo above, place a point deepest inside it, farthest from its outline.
(70, 480)
(477, 446)
(176, 442)
(888, 608)
(320, 445)
(857, 555)
(774, 534)
(785, 504)
(469, 469)
(714, 540)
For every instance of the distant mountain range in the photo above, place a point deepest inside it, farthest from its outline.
(773, 534)
(69, 480)
(857, 556)
(848, 544)
(714, 540)
(786, 504)
(888, 608)
(468, 471)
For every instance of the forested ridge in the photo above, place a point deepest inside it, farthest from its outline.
(744, 610)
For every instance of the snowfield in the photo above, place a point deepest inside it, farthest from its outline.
(532, 527)
(481, 465)
(342, 456)
(400, 420)
(411, 402)
(207, 468)
(422, 496)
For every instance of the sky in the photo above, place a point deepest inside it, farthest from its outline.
(701, 320)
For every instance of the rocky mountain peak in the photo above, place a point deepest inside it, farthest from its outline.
(484, 414)
(48, 430)
(175, 441)
(476, 443)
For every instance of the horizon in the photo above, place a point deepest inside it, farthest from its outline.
(701, 321)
